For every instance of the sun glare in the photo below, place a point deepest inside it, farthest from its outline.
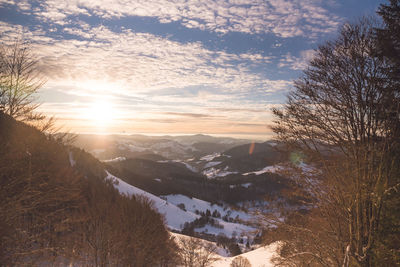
(101, 113)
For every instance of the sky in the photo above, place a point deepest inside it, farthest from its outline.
(172, 66)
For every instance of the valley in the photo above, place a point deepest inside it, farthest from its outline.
(210, 188)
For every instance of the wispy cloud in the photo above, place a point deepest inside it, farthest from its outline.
(190, 115)
(286, 18)
(296, 63)
(140, 62)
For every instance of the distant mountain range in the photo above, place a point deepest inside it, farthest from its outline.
(211, 168)
(168, 147)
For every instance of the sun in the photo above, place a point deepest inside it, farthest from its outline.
(101, 113)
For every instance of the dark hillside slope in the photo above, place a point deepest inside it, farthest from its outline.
(36, 185)
(155, 169)
(250, 157)
(169, 177)
(56, 208)
(163, 178)
(206, 148)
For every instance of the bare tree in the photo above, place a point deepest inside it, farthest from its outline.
(240, 262)
(19, 81)
(344, 117)
(196, 253)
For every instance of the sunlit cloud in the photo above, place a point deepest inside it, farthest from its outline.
(140, 62)
(190, 115)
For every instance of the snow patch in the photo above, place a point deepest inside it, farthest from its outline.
(188, 166)
(212, 164)
(305, 168)
(115, 159)
(210, 157)
(72, 162)
(246, 185)
(270, 169)
(214, 173)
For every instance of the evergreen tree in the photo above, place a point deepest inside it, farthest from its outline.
(388, 37)
(387, 251)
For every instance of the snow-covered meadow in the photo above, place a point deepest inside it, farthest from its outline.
(176, 217)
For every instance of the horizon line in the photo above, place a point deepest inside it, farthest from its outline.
(250, 136)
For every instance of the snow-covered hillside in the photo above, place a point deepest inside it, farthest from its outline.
(260, 257)
(176, 217)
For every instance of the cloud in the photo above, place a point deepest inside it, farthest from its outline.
(133, 63)
(285, 18)
(238, 110)
(129, 68)
(251, 124)
(296, 63)
(190, 115)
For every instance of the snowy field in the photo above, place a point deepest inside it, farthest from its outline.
(192, 204)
